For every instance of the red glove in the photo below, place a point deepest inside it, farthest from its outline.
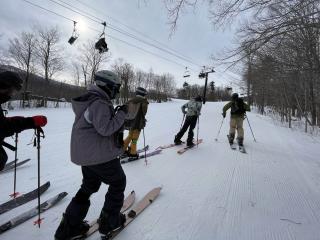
(39, 121)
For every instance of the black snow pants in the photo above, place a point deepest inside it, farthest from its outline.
(110, 173)
(190, 122)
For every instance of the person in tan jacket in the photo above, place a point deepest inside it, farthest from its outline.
(238, 110)
(137, 107)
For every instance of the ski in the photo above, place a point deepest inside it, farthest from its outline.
(135, 211)
(16, 202)
(242, 149)
(149, 154)
(146, 148)
(128, 202)
(10, 165)
(32, 212)
(169, 145)
(183, 150)
(233, 146)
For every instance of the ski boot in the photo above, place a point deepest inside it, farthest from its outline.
(65, 231)
(177, 141)
(190, 144)
(109, 223)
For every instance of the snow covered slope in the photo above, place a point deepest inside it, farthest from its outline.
(209, 192)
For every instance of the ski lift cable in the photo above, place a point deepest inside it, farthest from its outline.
(142, 49)
(84, 14)
(49, 11)
(132, 45)
(136, 31)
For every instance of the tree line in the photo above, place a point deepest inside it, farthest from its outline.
(278, 50)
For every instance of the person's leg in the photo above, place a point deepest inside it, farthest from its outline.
(127, 141)
(193, 123)
(182, 130)
(232, 131)
(134, 141)
(111, 173)
(240, 131)
(72, 222)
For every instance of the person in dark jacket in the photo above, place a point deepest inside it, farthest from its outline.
(238, 110)
(10, 84)
(96, 144)
(140, 104)
(192, 113)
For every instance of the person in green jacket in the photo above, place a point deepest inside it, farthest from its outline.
(139, 106)
(238, 111)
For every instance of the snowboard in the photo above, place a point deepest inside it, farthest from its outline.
(183, 150)
(128, 202)
(16, 202)
(149, 154)
(10, 165)
(135, 211)
(32, 212)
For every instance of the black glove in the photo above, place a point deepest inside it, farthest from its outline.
(123, 108)
(223, 114)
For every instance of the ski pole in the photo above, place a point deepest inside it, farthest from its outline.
(198, 130)
(15, 194)
(251, 129)
(37, 143)
(219, 129)
(184, 115)
(144, 145)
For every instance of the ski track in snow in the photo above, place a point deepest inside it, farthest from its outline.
(209, 192)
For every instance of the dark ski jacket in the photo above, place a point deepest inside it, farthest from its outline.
(96, 133)
(139, 122)
(238, 108)
(8, 127)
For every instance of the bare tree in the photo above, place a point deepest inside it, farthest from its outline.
(91, 60)
(126, 73)
(48, 51)
(76, 71)
(22, 51)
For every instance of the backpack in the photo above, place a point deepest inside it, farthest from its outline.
(237, 107)
(133, 110)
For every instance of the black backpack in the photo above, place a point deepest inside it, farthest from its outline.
(237, 107)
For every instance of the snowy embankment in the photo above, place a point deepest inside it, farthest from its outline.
(210, 192)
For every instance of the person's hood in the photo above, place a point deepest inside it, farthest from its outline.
(81, 103)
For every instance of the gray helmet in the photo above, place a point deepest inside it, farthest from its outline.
(11, 80)
(141, 91)
(105, 77)
(108, 81)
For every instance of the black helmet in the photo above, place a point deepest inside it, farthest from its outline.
(234, 96)
(108, 81)
(198, 98)
(141, 91)
(10, 80)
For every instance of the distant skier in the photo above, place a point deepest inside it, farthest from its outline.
(238, 111)
(11, 83)
(96, 144)
(137, 108)
(193, 112)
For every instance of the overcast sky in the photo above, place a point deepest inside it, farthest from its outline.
(194, 38)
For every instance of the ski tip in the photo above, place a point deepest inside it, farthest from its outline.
(63, 194)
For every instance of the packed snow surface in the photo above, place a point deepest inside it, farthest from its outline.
(209, 192)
